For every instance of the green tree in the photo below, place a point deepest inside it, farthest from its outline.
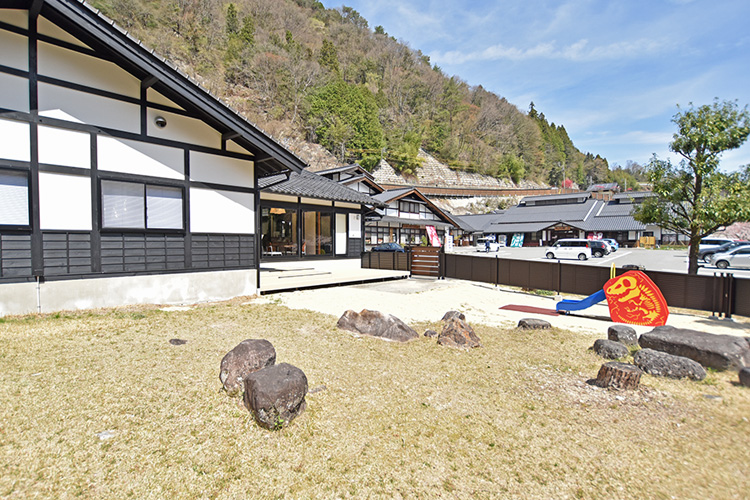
(695, 198)
(328, 57)
(233, 22)
(345, 116)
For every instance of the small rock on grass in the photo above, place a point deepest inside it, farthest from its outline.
(276, 395)
(661, 364)
(534, 324)
(745, 376)
(458, 333)
(430, 333)
(623, 333)
(610, 349)
(247, 357)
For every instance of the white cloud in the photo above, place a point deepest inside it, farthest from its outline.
(580, 51)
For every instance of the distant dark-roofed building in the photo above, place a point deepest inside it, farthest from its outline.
(542, 220)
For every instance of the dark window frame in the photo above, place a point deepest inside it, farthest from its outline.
(145, 229)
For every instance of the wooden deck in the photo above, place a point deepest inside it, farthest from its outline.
(298, 275)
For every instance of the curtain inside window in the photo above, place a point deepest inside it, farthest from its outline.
(123, 205)
(163, 207)
(14, 198)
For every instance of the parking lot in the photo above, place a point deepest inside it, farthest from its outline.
(651, 259)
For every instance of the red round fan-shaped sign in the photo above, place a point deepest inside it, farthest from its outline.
(634, 299)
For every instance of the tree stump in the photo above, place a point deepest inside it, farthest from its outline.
(619, 375)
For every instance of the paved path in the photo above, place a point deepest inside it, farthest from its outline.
(416, 299)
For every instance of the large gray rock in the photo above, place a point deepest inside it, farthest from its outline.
(249, 356)
(745, 377)
(377, 324)
(622, 333)
(721, 352)
(458, 333)
(276, 395)
(610, 349)
(661, 364)
(533, 324)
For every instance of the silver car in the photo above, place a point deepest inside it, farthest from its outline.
(736, 257)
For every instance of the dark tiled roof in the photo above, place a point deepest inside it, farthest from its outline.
(392, 194)
(550, 213)
(521, 227)
(311, 185)
(477, 222)
(623, 223)
(556, 197)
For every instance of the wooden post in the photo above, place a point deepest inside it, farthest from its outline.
(619, 375)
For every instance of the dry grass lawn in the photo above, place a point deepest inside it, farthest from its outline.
(514, 419)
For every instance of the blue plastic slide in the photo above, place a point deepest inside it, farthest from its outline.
(577, 305)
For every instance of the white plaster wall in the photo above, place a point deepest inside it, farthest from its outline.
(140, 158)
(86, 70)
(64, 202)
(87, 108)
(214, 211)
(187, 288)
(158, 98)
(16, 143)
(355, 226)
(15, 50)
(46, 27)
(221, 170)
(183, 129)
(15, 92)
(236, 148)
(15, 17)
(69, 148)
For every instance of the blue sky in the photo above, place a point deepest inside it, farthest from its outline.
(612, 72)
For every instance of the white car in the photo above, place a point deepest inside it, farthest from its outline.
(481, 245)
(570, 249)
(736, 257)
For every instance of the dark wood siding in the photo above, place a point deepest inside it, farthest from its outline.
(355, 247)
(217, 251)
(142, 252)
(66, 253)
(15, 255)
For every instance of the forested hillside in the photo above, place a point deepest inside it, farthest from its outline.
(304, 72)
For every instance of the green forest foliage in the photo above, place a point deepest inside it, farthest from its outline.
(325, 76)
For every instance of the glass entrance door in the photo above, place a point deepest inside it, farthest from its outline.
(279, 232)
(317, 233)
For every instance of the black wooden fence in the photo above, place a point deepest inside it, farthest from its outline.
(721, 293)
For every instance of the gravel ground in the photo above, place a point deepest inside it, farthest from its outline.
(416, 299)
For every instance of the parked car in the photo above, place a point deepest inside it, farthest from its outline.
(736, 257)
(570, 249)
(388, 247)
(487, 245)
(703, 254)
(711, 242)
(599, 248)
(612, 243)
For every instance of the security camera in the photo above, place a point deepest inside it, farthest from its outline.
(160, 121)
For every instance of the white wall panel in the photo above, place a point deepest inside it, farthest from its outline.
(69, 148)
(15, 144)
(15, 92)
(87, 108)
(140, 158)
(156, 97)
(221, 170)
(15, 17)
(64, 202)
(46, 27)
(183, 129)
(236, 148)
(70, 66)
(213, 211)
(15, 50)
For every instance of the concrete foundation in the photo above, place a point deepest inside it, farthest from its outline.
(25, 298)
